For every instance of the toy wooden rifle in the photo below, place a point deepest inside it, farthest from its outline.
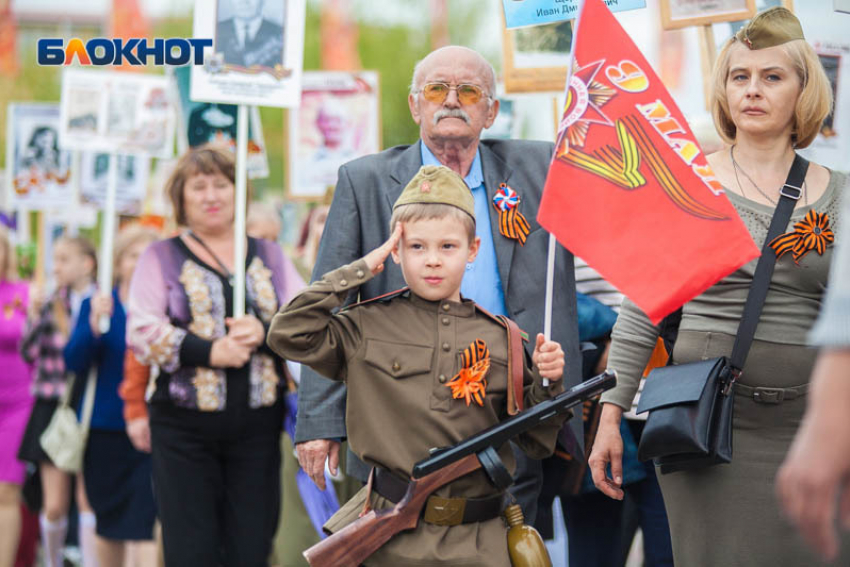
(350, 546)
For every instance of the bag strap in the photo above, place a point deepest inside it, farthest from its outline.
(516, 364)
(65, 399)
(88, 401)
(789, 194)
(88, 398)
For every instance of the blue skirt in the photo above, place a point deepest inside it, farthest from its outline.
(119, 486)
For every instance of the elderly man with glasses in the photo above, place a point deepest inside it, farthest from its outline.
(452, 99)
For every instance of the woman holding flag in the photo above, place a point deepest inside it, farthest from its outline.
(770, 97)
(216, 411)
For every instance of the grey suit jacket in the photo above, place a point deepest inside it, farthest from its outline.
(359, 221)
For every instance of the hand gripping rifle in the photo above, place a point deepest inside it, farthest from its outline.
(350, 546)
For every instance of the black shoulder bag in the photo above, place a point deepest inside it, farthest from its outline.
(691, 405)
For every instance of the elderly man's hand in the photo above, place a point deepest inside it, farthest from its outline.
(312, 456)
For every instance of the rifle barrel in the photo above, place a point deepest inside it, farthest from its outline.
(499, 434)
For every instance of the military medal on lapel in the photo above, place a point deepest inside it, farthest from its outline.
(470, 384)
(511, 222)
(811, 233)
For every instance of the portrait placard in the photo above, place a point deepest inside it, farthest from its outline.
(338, 121)
(536, 59)
(257, 52)
(132, 181)
(831, 65)
(507, 124)
(116, 111)
(212, 122)
(683, 13)
(832, 145)
(522, 13)
(38, 172)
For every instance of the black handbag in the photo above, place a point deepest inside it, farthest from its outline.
(691, 406)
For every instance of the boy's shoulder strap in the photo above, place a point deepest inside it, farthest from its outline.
(516, 359)
(499, 319)
(380, 298)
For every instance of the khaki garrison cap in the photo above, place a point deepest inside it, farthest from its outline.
(770, 28)
(438, 185)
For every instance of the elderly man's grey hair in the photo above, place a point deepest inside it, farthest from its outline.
(488, 72)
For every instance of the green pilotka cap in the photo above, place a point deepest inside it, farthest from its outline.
(438, 185)
(770, 28)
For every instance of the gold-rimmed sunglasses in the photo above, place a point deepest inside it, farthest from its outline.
(466, 93)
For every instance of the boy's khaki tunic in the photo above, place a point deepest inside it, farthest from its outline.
(396, 357)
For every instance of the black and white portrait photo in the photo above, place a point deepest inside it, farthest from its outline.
(39, 171)
(249, 33)
(131, 181)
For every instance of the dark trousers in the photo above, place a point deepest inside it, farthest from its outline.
(217, 484)
(597, 530)
(652, 519)
(594, 529)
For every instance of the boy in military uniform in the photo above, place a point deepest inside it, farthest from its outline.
(424, 368)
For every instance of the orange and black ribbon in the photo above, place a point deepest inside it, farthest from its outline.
(470, 384)
(512, 223)
(811, 233)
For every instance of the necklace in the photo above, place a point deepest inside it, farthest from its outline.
(227, 274)
(772, 201)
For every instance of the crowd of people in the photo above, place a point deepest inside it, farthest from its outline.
(218, 438)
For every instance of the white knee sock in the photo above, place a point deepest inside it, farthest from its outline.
(88, 545)
(53, 539)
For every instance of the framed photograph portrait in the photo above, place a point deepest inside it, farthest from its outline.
(249, 35)
(536, 59)
(832, 145)
(684, 13)
(257, 52)
(132, 181)
(831, 64)
(338, 121)
(114, 111)
(508, 124)
(38, 172)
(211, 122)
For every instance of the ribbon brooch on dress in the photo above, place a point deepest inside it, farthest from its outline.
(811, 233)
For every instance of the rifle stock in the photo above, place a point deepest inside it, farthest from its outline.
(350, 546)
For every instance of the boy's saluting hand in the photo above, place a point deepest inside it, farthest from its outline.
(376, 258)
(548, 357)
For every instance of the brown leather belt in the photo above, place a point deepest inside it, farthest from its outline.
(438, 510)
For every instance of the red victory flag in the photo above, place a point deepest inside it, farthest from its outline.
(629, 189)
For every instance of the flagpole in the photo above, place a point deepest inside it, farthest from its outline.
(107, 238)
(241, 208)
(550, 260)
(550, 289)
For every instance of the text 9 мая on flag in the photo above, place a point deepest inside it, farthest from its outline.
(629, 189)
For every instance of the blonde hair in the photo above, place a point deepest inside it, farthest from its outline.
(427, 211)
(9, 267)
(128, 237)
(813, 104)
